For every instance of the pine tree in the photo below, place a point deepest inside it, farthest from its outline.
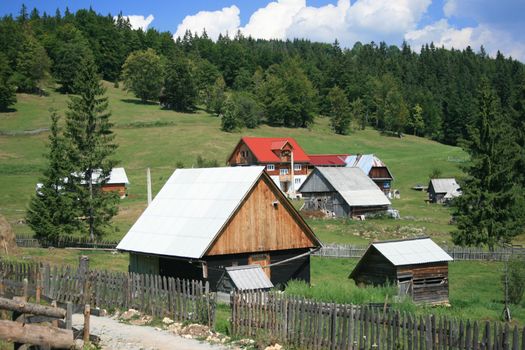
(32, 67)
(7, 88)
(51, 213)
(90, 139)
(339, 111)
(488, 211)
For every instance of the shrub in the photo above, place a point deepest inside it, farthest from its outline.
(516, 273)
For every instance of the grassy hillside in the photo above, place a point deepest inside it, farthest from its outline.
(159, 139)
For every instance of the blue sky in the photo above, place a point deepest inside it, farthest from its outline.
(497, 25)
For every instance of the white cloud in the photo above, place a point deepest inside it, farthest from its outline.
(441, 33)
(272, 21)
(223, 21)
(137, 21)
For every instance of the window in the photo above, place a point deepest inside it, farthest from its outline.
(270, 167)
(297, 181)
(297, 167)
(244, 154)
(284, 171)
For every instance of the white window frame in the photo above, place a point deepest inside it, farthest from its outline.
(297, 180)
(297, 167)
(270, 167)
(284, 171)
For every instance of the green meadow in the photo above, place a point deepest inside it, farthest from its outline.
(151, 137)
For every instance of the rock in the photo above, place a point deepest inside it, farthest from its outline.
(141, 321)
(128, 315)
(274, 347)
(195, 331)
(175, 328)
(167, 321)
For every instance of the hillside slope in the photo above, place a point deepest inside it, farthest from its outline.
(159, 139)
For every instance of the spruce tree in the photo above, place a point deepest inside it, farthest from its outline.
(7, 89)
(339, 111)
(488, 211)
(91, 145)
(51, 213)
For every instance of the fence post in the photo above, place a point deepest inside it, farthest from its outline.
(333, 328)
(87, 313)
(69, 315)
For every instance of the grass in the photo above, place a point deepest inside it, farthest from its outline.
(151, 137)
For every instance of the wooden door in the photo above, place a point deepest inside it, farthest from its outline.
(261, 259)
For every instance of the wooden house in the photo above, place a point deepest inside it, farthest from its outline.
(204, 220)
(284, 160)
(342, 192)
(374, 168)
(443, 190)
(419, 267)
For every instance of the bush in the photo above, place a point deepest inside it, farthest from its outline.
(516, 273)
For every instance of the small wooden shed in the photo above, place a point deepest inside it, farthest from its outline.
(342, 192)
(204, 220)
(443, 190)
(419, 267)
(245, 277)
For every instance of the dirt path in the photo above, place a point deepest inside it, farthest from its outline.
(115, 335)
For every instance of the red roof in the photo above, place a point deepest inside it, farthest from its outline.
(263, 147)
(328, 159)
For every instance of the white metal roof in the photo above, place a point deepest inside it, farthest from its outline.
(118, 176)
(412, 251)
(445, 185)
(190, 210)
(355, 186)
(249, 277)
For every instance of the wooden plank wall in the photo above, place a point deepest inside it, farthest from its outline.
(307, 324)
(181, 300)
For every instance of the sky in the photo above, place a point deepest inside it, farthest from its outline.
(495, 25)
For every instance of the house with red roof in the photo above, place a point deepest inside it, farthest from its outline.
(285, 161)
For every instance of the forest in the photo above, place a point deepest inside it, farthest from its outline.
(428, 91)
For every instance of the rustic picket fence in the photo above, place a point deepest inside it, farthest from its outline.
(308, 324)
(159, 296)
(457, 253)
(27, 241)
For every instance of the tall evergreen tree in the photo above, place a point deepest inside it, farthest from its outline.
(7, 88)
(488, 212)
(32, 67)
(91, 145)
(339, 111)
(51, 213)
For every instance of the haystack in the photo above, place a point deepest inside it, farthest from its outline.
(7, 237)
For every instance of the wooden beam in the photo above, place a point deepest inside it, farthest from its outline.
(28, 308)
(36, 335)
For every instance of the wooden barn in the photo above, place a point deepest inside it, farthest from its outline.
(418, 266)
(204, 220)
(342, 192)
(374, 168)
(443, 190)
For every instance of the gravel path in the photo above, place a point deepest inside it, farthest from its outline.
(116, 335)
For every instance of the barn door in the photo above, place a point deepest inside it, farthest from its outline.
(261, 259)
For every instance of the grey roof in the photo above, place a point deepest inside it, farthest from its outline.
(190, 211)
(357, 189)
(412, 251)
(249, 277)
(445, 185)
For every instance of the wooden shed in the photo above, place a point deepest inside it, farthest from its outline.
(204, 220)
(443, 190)
(419, 267)
(342, 192)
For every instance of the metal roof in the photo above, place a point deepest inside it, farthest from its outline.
(118, 176)
(190, 210)
(263, 148)
(412, 251)
(328, 159)
(249, 277)
(354, 185)
(364, 161)
(448, 185)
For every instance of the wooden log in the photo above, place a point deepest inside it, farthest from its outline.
(37, 335)
(87, 315)
(29, 308)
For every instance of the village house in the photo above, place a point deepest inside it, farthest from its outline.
(284, 160)
(204, 220)
(443, 190)
(419, 267)
(374, 168)
(117, 181)
(342, 192)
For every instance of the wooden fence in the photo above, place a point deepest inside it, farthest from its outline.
(159, 296)
(457, 253)
(64, 242)
(308, 324)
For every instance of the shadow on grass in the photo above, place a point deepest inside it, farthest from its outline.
(139, 102)
(7, 110)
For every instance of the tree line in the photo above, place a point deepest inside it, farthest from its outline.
(251, 81)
